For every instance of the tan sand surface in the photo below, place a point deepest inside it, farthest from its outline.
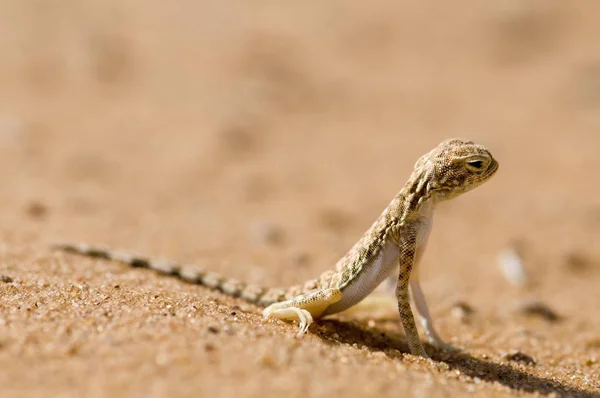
(260, 139)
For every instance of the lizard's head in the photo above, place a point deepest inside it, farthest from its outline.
(456, 166)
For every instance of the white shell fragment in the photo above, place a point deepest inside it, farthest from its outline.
(511, 266)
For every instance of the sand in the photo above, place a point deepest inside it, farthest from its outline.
(261, 139)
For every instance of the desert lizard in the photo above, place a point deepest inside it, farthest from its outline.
(394, 243)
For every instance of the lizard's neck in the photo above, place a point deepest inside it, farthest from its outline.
(413, 196)
(412, 202)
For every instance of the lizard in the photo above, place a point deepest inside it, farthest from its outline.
(394, 243)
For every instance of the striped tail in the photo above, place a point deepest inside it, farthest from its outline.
(189, 273)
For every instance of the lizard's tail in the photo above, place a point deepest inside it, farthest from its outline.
(189, 273)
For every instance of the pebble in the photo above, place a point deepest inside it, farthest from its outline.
(539, 309)
(461, 310)
(268, 233)
(518, 356)
(36, 210)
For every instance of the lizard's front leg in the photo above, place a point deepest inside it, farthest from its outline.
(304, 307)
(426, 320)
(406, 258)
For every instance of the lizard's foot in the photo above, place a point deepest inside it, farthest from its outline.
(435, 340)
(419, 352)
(442, 345)
(303, 308)
(415, 346)
(303, 317)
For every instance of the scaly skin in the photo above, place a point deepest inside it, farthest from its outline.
(395, 241)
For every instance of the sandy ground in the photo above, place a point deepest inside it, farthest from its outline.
(260, 139)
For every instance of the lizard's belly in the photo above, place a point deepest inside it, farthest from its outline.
(383, 266)
(368, 280)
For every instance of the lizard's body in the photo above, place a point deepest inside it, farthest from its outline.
(395, 242)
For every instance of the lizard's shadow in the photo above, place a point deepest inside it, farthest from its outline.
(337, 332)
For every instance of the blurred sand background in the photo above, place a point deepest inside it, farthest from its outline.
(261, 139)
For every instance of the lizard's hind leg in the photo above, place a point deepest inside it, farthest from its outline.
(303, 308)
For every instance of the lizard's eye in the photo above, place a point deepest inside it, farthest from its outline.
(476, 165)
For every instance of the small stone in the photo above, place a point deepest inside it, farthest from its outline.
(36, 210)
(539, 309)
(209, 347)
(268, 233)
(518, 356)
(213, 329)
(576, 261)
(461, 310)
(300, 259)
(268, 360)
